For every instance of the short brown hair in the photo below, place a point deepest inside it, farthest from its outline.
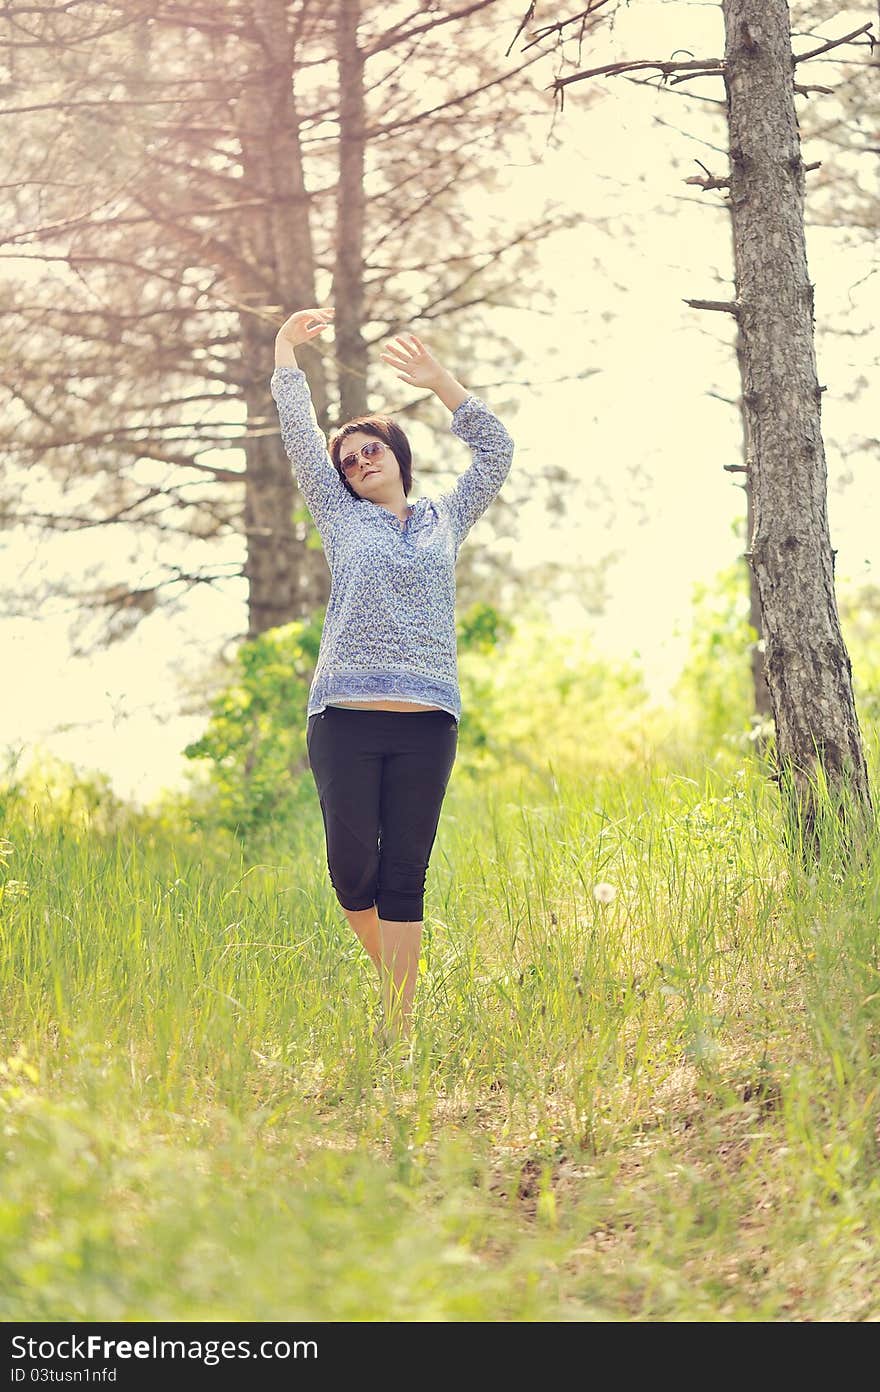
(383, 429)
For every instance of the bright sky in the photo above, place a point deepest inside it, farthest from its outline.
(650, 439)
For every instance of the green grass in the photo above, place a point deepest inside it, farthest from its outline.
(662, 1107)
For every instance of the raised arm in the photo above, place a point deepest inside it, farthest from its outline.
(304, 443)
(490, 444)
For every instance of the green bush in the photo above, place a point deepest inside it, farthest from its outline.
(714, 694)
(860, 620)
(254, 742)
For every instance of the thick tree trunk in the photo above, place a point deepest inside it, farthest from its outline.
(286, 579)
(808, 669)
(760, 689)
(348, 275)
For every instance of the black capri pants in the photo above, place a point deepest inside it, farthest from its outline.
(381, 778)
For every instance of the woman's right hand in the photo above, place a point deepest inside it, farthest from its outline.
(303, 326)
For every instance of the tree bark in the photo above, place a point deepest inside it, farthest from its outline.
(348, 275)
(286, 580)
(760, 690)
(807, 666)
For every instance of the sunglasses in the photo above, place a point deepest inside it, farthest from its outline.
(374, 449)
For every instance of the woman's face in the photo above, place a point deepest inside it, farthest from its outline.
(373, 476)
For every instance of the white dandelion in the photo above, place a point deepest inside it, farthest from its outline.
(604, 893)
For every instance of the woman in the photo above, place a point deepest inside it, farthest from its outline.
(384, 703)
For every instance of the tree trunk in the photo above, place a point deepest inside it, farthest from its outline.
(760, 690)
(286, 580)
(808, 669)
(348, 275)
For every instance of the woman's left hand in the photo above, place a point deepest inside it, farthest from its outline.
(416, 364)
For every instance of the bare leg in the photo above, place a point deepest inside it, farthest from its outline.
(399, 944)
(365, 923)
(393, 948)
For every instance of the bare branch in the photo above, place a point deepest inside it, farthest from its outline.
(724, 306)
(695, 67)
(393, 37)
(835, 43)
(670, 91)
(711, 180)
